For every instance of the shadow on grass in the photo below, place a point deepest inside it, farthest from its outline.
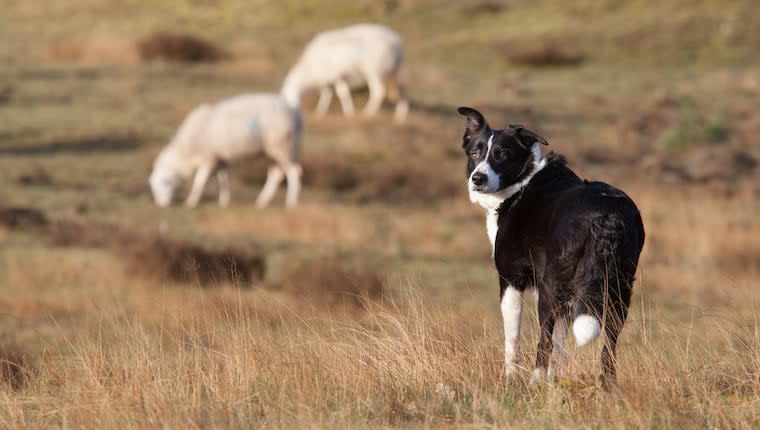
(100, 142)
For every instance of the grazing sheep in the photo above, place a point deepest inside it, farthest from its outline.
(350, 56)
(214, 135)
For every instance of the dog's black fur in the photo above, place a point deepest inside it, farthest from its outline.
(577, 242)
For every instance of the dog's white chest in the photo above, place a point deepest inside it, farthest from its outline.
(492, 227)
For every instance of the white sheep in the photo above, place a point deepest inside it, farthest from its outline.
(214, 135)
(350, 56)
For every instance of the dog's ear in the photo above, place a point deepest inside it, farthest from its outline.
(526, 136)
(475, 121)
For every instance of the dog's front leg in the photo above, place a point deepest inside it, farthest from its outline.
(511, 311)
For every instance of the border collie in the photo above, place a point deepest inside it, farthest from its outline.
(577, 243)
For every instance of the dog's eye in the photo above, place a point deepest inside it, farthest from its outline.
(475, 153)
(499, 154)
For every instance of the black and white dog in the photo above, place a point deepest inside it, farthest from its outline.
(576, 242)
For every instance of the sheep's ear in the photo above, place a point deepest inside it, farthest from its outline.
(526, 136)
(475, 122)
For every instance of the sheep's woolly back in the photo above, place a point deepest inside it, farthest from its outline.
(345, 53)
(233, 129)
(192, 124)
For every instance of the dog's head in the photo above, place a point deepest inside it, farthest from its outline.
(499, 162)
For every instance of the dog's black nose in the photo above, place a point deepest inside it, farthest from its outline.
(479, 178)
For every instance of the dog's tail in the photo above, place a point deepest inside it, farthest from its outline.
(607, 273)
(586, 328)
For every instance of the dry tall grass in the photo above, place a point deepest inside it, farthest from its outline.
(230, 360)
(87, 340)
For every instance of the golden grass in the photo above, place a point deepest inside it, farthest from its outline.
(85, 342)
(232, 359)
(124, 352)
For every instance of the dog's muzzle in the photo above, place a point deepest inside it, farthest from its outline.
(479, 180)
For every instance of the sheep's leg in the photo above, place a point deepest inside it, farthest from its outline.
(376, 94)
(396, 93)
(223, 176)
(274, 177)
(201, 177)
(344, 95)
(293, 175)
(325, 97)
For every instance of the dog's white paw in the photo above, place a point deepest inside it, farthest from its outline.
(539, 376)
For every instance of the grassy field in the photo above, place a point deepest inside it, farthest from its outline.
(374, 303)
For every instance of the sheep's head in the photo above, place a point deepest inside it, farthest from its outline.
(292, 88)
(163, 184)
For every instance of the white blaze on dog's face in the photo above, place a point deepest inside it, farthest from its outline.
(499, 162)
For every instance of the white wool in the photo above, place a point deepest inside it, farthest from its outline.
(351, 56)
(226, 132)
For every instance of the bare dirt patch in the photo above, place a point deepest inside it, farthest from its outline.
(95, 48)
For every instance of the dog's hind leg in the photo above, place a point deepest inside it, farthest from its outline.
(618, 299)
(546, 321)
(559, 346)
(609, 358)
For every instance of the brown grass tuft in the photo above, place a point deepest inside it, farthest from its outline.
(547, 54)
(147, 256)
(160, 257)
(182, 47)
(15, 369)
(332, 282)
(33, 177)
(484, 7)
(22, 218)
(6, 93)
